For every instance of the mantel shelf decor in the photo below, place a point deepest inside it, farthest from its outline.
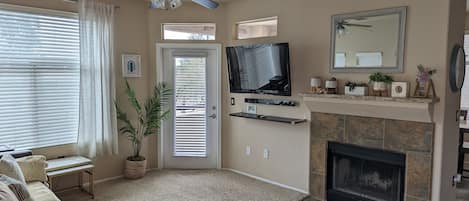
(407, 109)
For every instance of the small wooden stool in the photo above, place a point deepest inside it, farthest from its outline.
(72, 165)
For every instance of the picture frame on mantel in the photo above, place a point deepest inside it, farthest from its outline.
(131, 65)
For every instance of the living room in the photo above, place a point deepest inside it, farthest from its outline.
(288, 160)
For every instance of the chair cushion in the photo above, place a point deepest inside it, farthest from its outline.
(6, 194)
(10, 168)
(40, 192)
(33, 168)
(17, 187)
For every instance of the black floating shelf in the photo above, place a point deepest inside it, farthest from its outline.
(271, 102)
(268, 118)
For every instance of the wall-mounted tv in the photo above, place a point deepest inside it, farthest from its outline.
(262, 69)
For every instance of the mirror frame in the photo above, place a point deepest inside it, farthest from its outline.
(402, 11)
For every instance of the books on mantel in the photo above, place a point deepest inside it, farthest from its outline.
(5, 148)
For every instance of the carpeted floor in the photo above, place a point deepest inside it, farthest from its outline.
(187, 185)
(462, 191)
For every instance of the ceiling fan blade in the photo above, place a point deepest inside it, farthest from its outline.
(161, 4)
(207, 3)
(358, 25)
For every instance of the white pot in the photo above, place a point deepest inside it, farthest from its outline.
(379, 86)
(357, 91)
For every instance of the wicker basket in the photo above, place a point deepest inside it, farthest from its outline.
(135, 169)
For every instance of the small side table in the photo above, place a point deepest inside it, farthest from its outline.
(72, 165)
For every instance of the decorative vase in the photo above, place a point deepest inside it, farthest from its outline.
(379, 86)
(135, 169)
(315, 85)
(331, 86)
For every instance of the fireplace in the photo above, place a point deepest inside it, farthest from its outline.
(356, 173)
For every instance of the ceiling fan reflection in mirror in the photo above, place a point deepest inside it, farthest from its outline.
(343, 25)
(173, 4)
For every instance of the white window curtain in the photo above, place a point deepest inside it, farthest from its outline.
(97, 133)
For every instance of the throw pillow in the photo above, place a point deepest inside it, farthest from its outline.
(17, 187)
(33, 168)
(6, 194)
(10, 168)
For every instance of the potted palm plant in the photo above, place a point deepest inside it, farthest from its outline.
(148, 123)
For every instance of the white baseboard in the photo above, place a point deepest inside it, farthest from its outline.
(267, 180)
(114, 178)
(104, 180)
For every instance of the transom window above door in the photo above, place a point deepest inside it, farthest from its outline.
(189, 31)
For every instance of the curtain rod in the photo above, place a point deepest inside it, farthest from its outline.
(76, 1)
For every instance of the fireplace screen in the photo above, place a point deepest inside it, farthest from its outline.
(356, 173)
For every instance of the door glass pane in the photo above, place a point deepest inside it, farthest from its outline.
(190, 139)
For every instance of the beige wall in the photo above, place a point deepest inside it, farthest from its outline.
(306, 26)
(130, 37)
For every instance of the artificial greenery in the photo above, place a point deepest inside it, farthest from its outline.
(379, 77)
(352, 85)
(148, 118)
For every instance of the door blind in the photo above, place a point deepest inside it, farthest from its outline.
(39, 77)
(190, 105)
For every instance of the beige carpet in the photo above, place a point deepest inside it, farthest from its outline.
(187, 185)
(462, 191)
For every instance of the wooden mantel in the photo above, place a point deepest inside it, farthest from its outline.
(407, 109)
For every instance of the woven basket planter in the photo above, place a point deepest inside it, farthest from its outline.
(135, 169)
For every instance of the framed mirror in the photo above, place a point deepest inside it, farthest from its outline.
(369, 41)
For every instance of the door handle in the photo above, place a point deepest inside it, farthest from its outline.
(213, 116)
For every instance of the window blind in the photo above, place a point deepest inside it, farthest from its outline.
(190, 138)
(39, 77)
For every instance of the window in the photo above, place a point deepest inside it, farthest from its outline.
(265, 27)
(39, 77)
(369, 59)
(465, 87)
(340, 60)
(189, 31)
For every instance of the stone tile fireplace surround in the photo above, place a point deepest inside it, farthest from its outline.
(414, 139)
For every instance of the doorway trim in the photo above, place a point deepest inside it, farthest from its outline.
(159, 77)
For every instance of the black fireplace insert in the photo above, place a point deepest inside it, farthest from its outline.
(363, 174)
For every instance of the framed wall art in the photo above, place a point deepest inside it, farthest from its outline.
(131, 65)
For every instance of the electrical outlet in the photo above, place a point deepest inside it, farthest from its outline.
(266, 154)
(248, 150)
(233, 101)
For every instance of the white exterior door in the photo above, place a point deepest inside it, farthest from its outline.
(190, 138)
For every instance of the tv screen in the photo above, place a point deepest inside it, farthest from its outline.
(263, 69)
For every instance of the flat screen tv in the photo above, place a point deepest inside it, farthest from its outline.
(262, 69)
